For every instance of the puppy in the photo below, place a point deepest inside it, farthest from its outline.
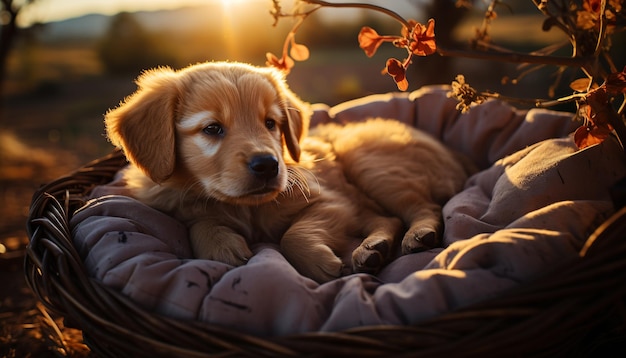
(223, 147)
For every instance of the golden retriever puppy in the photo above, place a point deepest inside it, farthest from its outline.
(223, 147)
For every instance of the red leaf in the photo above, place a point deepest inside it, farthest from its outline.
(299, 52)
(597, 107)
(396, 70)
(585, 136)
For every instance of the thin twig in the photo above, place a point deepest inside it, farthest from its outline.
(539, 103)
(377, 8)
(515, 57)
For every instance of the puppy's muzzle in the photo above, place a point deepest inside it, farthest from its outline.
(264, 167)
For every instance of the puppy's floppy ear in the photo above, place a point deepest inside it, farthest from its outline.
(144, 124)
(296, 124)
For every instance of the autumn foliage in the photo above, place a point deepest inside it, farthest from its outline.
(597, 112)
(417, 39)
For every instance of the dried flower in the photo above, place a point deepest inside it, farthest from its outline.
(466, 95)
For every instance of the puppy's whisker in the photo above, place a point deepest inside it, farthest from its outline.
(297, 179)
(294, 179)
(303, 169)
(317, 160)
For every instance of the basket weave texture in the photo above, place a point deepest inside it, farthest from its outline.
(577, 309)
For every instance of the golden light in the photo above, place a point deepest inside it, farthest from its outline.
(230, 8)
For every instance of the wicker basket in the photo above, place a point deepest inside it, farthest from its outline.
(576, 310)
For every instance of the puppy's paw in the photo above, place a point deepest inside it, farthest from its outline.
(419, 239)
(229, 248)
(371, 255)
(321, 264)
(235, 253)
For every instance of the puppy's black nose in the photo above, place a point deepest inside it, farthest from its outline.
(264, 166)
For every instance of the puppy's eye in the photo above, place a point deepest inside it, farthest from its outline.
(270, 123)
(213, 129)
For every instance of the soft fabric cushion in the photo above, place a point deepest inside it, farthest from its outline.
(530, 208)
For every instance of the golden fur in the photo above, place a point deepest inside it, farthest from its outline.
(223, 147)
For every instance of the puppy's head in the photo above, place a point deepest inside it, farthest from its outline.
(223, 127)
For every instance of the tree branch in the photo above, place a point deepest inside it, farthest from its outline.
(377, 8)
(515, 57)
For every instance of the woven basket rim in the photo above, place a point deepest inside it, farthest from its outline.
(554, 313)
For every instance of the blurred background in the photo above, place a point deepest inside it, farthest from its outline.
(64, 63)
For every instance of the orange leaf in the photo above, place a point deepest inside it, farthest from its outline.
(424, 39)
(369, 40)
(580, 85)
(284, 63)
(299, 52)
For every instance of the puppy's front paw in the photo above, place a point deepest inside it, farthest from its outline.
(219, 245)
(318, 262)
(371, 255)
(419, 239)
(326, 267)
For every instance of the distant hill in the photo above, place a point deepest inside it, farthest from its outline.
(95, 25)
(88, 26)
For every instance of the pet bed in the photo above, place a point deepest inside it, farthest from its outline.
(532, 261)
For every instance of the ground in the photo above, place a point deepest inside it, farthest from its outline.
(27, 329)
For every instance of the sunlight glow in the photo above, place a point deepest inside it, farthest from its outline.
(228, 27)
(233, 11)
